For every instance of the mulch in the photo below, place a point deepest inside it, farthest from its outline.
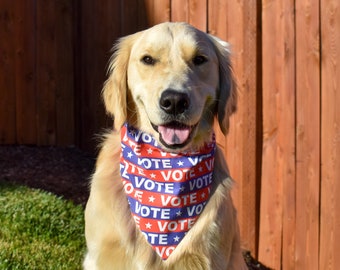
(64, 171)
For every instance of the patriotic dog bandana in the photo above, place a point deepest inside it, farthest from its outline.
(166, 192)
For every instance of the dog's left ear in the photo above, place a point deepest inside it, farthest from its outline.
(115, 91)
(227, 92)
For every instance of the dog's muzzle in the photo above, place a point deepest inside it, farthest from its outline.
(174, 133)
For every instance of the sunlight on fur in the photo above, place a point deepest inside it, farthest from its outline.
(166, 86)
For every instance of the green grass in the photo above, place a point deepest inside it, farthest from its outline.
(39, 230)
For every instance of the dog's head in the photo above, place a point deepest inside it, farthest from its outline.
(171, 81)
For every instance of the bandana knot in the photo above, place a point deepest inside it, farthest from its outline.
(166, 191)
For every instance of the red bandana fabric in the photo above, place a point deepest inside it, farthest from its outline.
(166, 192)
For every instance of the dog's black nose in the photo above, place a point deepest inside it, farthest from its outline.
(174, 102)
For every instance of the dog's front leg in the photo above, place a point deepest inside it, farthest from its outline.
(107, 215)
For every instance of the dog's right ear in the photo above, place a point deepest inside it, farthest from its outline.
(227, 92)
(115, 91)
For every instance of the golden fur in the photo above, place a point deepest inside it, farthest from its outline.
(132, 94)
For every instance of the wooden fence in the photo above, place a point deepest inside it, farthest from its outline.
(284, 144)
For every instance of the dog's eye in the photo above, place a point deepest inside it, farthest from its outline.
(199, 60)
(148, 60)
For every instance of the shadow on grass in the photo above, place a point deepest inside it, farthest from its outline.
(39, 230)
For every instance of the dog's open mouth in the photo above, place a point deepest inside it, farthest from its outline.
(174, 134)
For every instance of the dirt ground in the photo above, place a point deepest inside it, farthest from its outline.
(64, 171)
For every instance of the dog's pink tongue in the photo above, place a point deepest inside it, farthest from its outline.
(172, 135)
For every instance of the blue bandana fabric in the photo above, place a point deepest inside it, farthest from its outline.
(166, 192)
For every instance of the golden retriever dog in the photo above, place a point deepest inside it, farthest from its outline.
(173, 209)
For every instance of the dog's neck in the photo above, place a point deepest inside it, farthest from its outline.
(167, 192)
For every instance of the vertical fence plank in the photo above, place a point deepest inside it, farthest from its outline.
(307, 134)
(87, 69)
(46, 72)
(234, 143)
(277, 214)
(7, 70)
(65, 119)
(330, 136)
(25, 73)
(287, 147)
(271, 190)
(54, 67)
(241, 141)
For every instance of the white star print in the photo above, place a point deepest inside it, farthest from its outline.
(180, 163)
(200, 169)
(130, 155)
(152, 175)
(176, 239)
(149, 151)
(203, 195)
(148, 225)
(152, 199)
(182, 188)
(179, 213)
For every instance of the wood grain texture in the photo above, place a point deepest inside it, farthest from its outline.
(277, 218)
(287, 144)
(271, 185)
(242, 34)
(238, 27)
(330, 136)
(307, 134)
